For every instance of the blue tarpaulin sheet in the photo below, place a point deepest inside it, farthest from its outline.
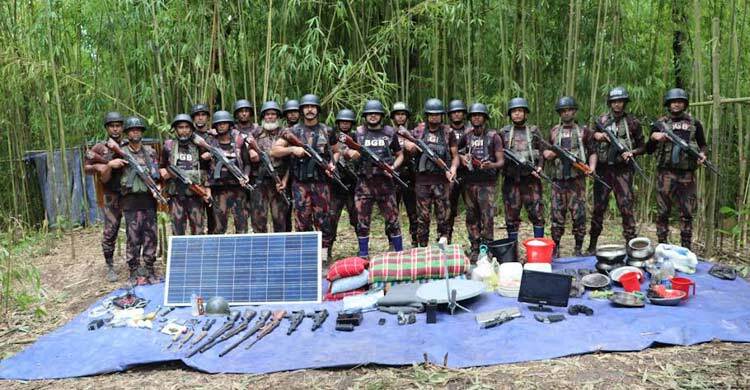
(719, 311)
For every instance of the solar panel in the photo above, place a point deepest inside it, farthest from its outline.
(245, 269)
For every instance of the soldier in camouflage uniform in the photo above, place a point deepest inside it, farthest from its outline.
(676, 179)
(570, 193)
(521, 187)
(181, 153)
(139, 206)
(268, 195)
(374, 184)
(291, 112)
(432, 183)
(485, 147)
(457, 117)
(228, 193)
(615, 169)
(201, 117)
(340, 198)
(243, 116)
(399, 117)
(310, 186)
(101, 160)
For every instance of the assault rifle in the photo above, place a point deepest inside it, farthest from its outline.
(269, 327)
(683, 146)
(266, 160)
(259, 323)
(367, 153)
(227, 325)
(620, 147)
(427, 151)
(142, 174)
(319, 161)
(575, 161)
(513, 157)
(246, 317)
(183, 177)
(222, 159)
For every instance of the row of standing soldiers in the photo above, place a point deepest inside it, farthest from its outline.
(238, 167)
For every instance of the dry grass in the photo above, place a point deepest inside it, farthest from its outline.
(73, 283)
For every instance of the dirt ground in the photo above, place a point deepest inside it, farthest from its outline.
(72, 274)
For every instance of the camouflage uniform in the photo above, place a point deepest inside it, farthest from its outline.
(139, 208)
(185, 205)
(520, 188)
(311, 189)
(374, 186)
(618, 174)
(112, 210)
(432, 187)
(266, 197)
(570, 196)
(226, 191)
(407, 196)
(340, 198)
(479, 187)
(676, 180)
(456, 189)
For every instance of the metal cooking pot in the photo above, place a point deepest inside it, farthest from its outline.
(611, 253)
(640, 248)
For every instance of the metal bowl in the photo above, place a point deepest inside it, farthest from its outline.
(640, 248)
(611, 253)
(626, 299)
(595, 281)
(673, 301)
(605, 267)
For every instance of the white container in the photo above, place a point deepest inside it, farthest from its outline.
(540, 267)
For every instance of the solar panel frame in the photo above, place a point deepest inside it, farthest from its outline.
(220, 245)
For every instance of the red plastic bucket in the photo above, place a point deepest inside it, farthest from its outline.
(539, 253)
(683, 284)
(630, 282)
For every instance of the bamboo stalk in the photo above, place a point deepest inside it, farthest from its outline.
(267, 68)
(716, 122)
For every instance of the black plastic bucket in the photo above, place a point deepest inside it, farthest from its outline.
(504, 250)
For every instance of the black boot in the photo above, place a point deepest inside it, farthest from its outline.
(151, 276)
(577, 250)
(591, 251)
(556, 251)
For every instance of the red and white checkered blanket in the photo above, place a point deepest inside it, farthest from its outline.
(418, 263)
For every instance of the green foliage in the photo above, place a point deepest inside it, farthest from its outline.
(20, 284)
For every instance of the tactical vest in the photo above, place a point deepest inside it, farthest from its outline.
(189, 162)
(438, 142)
(219, 174)
(669, 156)
(480, 148)
(564, 170)
(130, 183)
(379, 143)
(605, 153)
(521, 143)
(305, 169)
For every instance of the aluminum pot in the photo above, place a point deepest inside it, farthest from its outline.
(639, 249)
(611, 254)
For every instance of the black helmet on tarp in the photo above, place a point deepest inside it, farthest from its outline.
(217, 306)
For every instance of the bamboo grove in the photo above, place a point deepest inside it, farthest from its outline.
(66, 62)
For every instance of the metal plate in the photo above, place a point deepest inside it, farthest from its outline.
(245, 269)
(436, 290)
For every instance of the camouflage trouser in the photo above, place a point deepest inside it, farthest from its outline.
(339, 201)
(621, 181)
(523, 193)
(184, 208)
(229, 200)
(570, 197)
(409, 199)
(312, 208)
(266, 198)
(456, 189)
(376, 189)
(429, 195)
(141, 238)
(480, 213)
(680, 188)
(210, 217)
(112, 217)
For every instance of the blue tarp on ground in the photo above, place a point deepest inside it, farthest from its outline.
(719, 311)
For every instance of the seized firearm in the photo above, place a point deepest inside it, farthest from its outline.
(227, 325)
(269, 327)
(295, 319)
(266, 160)
(204, 331)
(513, 157)
(182, 176)
(319, 161)
(187, 337)
(683, 146)
(367, 153)
(319, 317)
(620, 147)
(246, 317)
(575, 161)
(221, 159)
(427, 151)
(142, 174)
(262, 318)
